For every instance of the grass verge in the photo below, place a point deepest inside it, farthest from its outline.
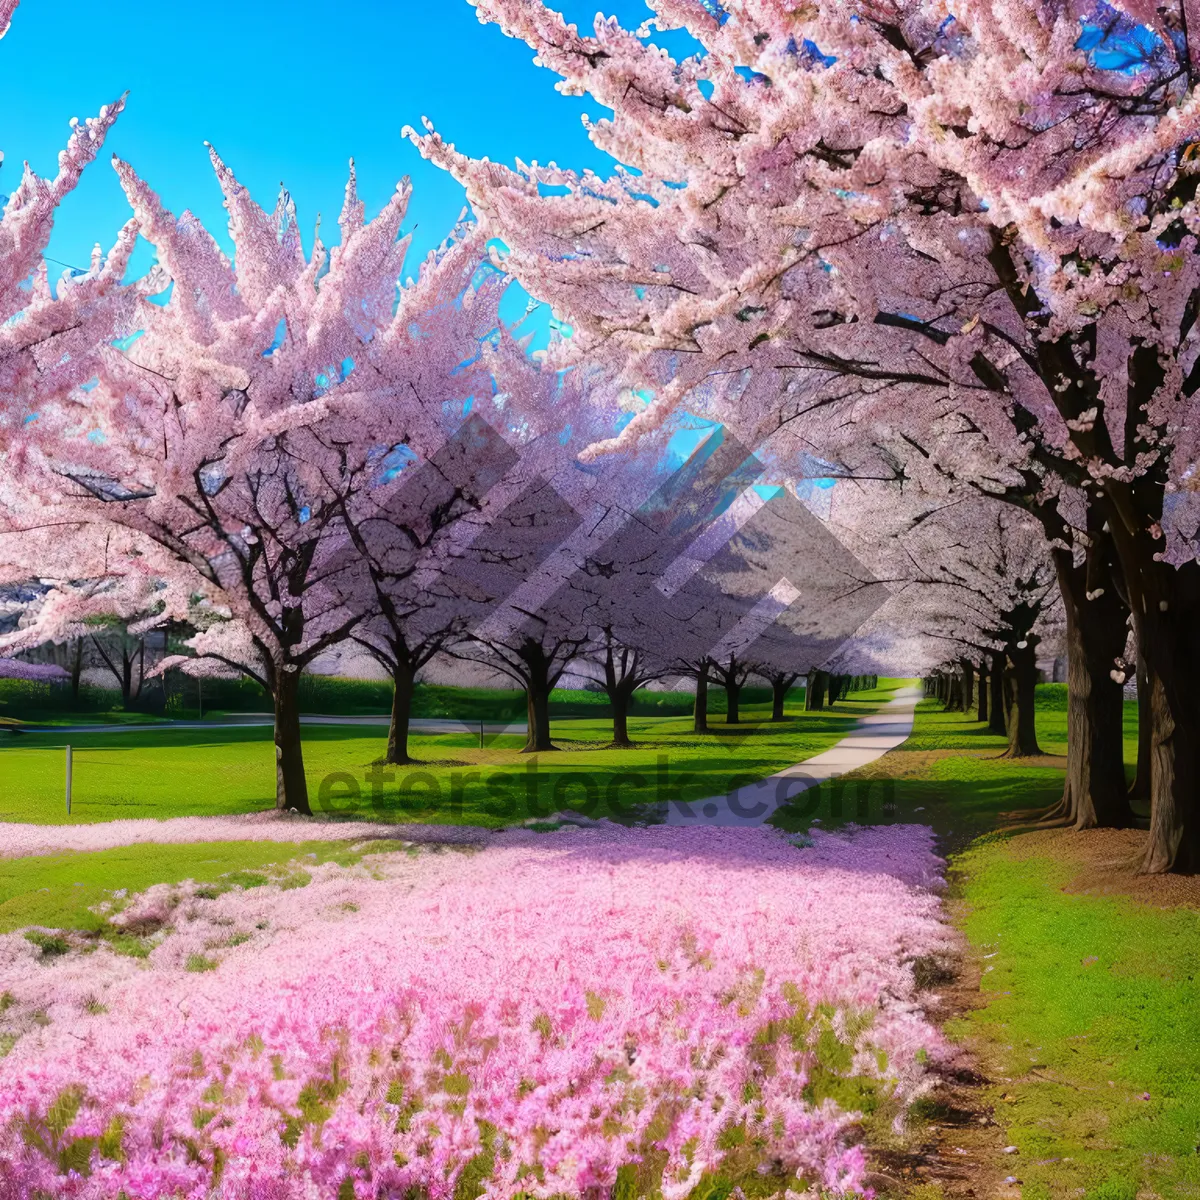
(172, 772)
(1090, 1028)
(1086, 1024)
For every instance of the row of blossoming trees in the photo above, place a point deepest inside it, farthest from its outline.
(286, 451)
(950, 254)
(958, 244)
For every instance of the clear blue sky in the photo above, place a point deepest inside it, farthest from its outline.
(286, 92)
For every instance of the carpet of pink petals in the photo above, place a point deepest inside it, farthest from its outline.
(541, 1011)
(19, 839)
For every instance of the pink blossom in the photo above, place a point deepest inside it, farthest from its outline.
(588, 995)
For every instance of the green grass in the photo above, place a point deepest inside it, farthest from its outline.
(58, 891)
(949, 775)
(186, 772)
(1092, 1003)
(1091, 1029)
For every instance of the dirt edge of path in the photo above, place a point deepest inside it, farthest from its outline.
(956, 1148)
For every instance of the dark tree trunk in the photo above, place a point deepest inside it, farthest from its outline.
(291, 787)
(539, 677)
(700, 710)
(620, 683)
(403, 681)
(733, 693)
(76, 668)
(982, 712)
(1165, 602)
(620, 706)
(1022, 687)
(537, 708)
(997, 702)
(968, 685)
(953, 694)
(814, 695)
(780, 687)
(1170, 643)
(1094, 794)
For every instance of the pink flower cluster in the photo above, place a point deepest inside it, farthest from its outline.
(539, 1013)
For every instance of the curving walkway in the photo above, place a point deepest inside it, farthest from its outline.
(755, 803)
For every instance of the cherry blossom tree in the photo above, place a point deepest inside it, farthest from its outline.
(396, 528)
(50, 336)
(961, 232)
(237, 432)
(531, 644)
(972, 579)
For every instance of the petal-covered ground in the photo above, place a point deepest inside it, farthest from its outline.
(545, 1014)
(19, 839)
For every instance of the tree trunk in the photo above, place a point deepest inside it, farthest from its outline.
(968, 685)
(982, 713)
(997, 720)
(1170, 643)
(733, 692)
(1022, 685)
(700, 710)
(779, 691)
(76, 668)
(537, 708)
(620, 706)
(1094, 795)
(814, 696)
(291, 787)
(402, 695)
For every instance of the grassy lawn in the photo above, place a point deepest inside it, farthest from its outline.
(1089, 1024)
(58, 891)
(1090, 1031)
(1089, 1028)
(168, 773)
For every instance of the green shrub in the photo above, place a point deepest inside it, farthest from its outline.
(50, 944)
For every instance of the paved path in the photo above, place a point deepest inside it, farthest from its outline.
(753, 804)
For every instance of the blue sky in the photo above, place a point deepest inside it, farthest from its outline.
(286, 92)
